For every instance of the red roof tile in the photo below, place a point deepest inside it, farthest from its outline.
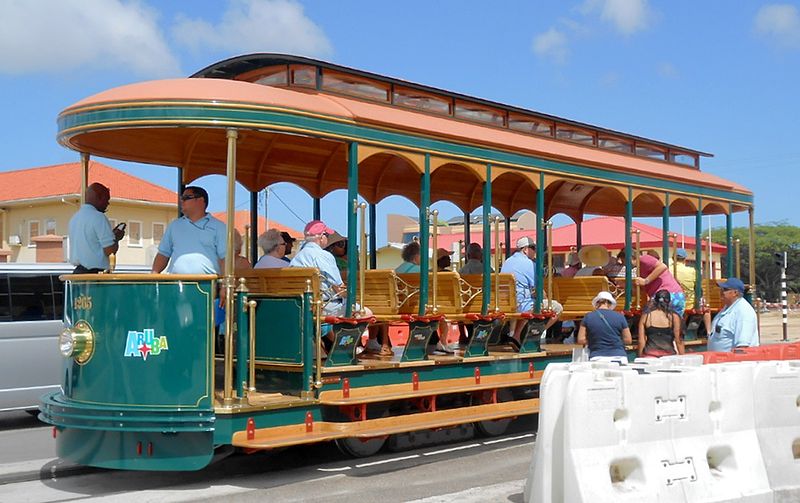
(65, 180)
(242, 218)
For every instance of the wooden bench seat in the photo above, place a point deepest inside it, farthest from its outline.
(507, 290)
(284, 281)
(576, 294)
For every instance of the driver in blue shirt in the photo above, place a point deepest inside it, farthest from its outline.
(736, 325)
(194, 243)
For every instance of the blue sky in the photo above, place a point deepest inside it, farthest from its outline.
(706, 75)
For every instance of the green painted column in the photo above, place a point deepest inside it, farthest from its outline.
(729, 242)
(665, 233)
(316, 209)
(537, 306)
(352, 225)
(487, 241)
(508, 236)
(698, 252)
(424, 231)
(628, 250)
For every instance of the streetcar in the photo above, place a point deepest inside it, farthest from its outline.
(142, 386)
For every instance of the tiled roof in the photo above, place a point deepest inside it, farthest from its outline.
(606, 231)
(242, 218)
(65, 180)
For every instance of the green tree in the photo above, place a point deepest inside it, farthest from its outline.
(771, 238)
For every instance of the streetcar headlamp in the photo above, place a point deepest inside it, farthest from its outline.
(77, 342)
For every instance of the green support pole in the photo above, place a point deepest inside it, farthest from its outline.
(537, 306)
(665, 233)
(487, 241)
(424, 230)
(729, 258)
(628, 249)
(508, 236)
(698, 252)
(352, 227)
(467, 233)
(316, 209)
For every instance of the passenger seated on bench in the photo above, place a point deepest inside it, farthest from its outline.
(605, 330)
(523, 266)
(274, 246)
(410, 254)
(312, 254)
(474, 263)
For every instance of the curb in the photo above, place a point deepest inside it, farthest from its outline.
(41, 469)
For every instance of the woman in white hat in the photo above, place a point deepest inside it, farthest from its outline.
(604, 330)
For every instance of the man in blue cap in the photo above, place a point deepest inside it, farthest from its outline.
(736, 324)
(686, 276)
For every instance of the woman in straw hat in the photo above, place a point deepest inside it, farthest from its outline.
(604, 330)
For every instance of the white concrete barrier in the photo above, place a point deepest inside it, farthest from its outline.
(670, 430)
(777, 418)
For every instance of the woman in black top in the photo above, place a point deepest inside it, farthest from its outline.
(660, 328)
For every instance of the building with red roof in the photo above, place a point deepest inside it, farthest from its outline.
(36, 205)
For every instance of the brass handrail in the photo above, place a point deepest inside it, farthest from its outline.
(497, 254)
(251, 306)
(435, 246)
(362, 265)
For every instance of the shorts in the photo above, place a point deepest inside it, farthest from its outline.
(527, 306)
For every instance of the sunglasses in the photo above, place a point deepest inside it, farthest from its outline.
(187, 197)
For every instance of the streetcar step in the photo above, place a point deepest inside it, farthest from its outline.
(319, 431)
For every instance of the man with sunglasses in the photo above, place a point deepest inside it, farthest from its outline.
(194, 243)
(736, 325)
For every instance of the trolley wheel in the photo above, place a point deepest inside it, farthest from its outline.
(360, 447)
(496, 427)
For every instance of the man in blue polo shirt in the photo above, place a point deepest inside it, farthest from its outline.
(194, 243)
(523, 266)
(736, 325)
(91, 239)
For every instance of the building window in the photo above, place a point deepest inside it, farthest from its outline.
(134, 233)
(158, 232)
(33, 231)
(50, 227)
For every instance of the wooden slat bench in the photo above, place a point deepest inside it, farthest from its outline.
(576, 294)
(285, 281)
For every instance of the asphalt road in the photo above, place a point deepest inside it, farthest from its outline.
(477, 469)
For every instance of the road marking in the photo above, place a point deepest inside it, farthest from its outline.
(504, 491)
(340, 469)
(452, 449)
(384, 461)
(497, 441)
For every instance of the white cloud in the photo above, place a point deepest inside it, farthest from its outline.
(668, 70)
(256, 26)
(551, 45)
(627, 16)
(51, 37)
(780, 23)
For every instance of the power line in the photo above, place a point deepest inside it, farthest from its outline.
(301, 220)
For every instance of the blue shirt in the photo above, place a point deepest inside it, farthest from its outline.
(734, 326)
(194, 247)
(524, 271)
(604, 338)
(89, 233)
(312, 255)
(407, 267)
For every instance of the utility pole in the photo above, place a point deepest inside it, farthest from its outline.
(782, 260)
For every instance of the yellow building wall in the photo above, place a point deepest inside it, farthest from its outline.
(59, 213)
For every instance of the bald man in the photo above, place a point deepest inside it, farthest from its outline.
(91, 239)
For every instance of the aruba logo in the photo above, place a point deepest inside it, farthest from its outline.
(145, 343)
